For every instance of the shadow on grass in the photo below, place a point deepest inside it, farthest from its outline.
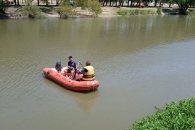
(47, 10)
(170, 11)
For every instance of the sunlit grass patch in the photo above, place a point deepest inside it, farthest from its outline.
(136, 12)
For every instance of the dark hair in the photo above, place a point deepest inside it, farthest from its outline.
(69, 57)
(88, 63)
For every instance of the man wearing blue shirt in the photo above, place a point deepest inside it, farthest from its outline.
(71, 62)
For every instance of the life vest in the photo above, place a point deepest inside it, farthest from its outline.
(90, 74)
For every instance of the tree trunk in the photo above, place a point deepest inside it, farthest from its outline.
(18, 3)
(15, 2)
(131, 3)
(170, 5)
(155, 3)
(57, 2)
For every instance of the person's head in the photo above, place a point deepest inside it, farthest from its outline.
(58, 66)
(87, 63)
(70, 57)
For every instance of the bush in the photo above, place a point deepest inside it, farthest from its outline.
(159, 11)
(3, 7)
(175, 116)
(95, 7)
(66, 11)
(46, 2)
(82, 3)
(30, 10)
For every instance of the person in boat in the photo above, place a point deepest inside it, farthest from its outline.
(88, 72)
(71, 64)
(58, 66)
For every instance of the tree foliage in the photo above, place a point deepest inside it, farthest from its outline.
(30, 10)
(95, 7)
(65, 10)
(3, 6)
(183, 5)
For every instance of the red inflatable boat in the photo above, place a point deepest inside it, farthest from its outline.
(65, 79)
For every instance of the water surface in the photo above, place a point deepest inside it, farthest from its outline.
(140, 62)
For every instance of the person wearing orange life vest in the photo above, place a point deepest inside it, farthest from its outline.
(88, 72)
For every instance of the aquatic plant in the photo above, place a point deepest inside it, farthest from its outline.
(174, 116)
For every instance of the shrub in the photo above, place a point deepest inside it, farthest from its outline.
(95, 7)
(175, 116)
(64, 3)
(159, 11)
(82, 3)
(30, 10)
(66, 11)
(46, 2)
(3, 7)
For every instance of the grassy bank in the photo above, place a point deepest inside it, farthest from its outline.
(33, 11)
(174, 116)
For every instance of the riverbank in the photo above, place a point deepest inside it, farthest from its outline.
(50, 12)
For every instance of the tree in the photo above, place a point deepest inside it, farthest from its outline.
(168, 1)
(30, 10)
(183, 5)
(95, 7)
(3, 7)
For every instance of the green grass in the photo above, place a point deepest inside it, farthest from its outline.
(136, 12)
(174, 116)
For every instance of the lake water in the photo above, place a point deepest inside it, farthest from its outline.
(140, 62)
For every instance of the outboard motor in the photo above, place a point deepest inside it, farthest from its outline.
(58, 66)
